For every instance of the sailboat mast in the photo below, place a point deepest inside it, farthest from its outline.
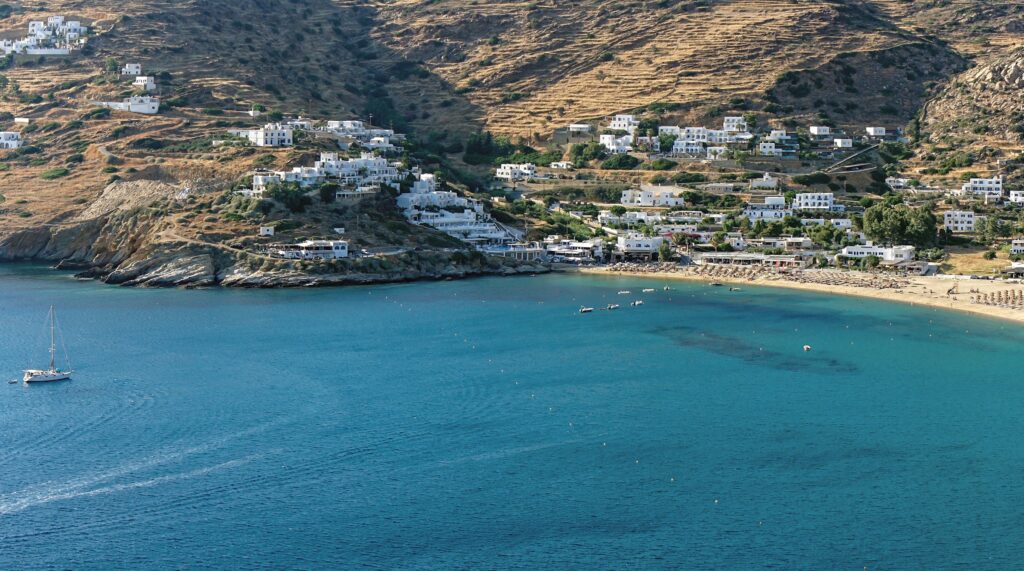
(53, 346)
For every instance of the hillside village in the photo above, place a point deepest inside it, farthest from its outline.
(639, 185)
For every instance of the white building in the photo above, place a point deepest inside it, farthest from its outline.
(821, 131)
(132, 69)
(266, 230)
(10, 140)
(876, 131)
(958, 221)
(652, 198)
(824, 201)
(773, 208)
(1017, 247)
(684, 147)
(626, 123)
(766, 182)
(311, 250)
(768, 149)
(145, 104)
(1017, 196)
(897, 183)
(987, 187)
(561, 248)
(777, 136)
(579, 128)
(638, 244)
(368, 170)
(562, 165)
(843, 143)
(734, 125)
(459, 217)
(887, 254)
(617, 145)
(55, 36)
(511, 172)
(840, 223)
(146, 82)
(269, 135)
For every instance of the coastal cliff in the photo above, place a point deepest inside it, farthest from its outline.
(125, 238)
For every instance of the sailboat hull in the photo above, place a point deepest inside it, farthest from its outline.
(33, 376)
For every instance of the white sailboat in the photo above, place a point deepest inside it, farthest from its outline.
(53, 373)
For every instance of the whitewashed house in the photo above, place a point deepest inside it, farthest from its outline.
(987, 187)
(887, 254)
(579, 129)
(1017, 247)
(634, 244)
(773, 208)
(876, 132)
(617, 145)
(684, 147)
(626, 123)
(652, 198)
(132, 69)
(512, 172)
(269, 135)
(10, 140)
(958, 221)
(670, 130)
(843, 143)
(734, 125)
(1017, 196)
(266, 230)
(768, 149)
(820, 131)
(146, 82)
(562, 165)
(145, 104)
(822, 201)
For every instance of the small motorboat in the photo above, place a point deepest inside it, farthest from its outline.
(612, 306)
(807, 347)
(586, 309)
(716, 284)
(636, 303)
(734, 289)
(666, 288)
(648, 290)
(624, 292)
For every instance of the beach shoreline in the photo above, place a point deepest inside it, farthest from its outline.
(912, 290)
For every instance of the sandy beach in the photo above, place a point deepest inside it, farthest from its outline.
(992, 298)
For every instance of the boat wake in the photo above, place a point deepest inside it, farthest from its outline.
(10, 507)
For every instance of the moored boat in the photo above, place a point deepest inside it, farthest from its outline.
(53, 373)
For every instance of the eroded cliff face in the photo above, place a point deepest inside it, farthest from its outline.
(124, 238)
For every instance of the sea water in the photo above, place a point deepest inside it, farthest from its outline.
(488, 424)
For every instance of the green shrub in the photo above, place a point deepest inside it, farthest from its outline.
(620, 162)
(54, 173)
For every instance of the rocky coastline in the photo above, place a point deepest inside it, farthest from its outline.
(128, 250)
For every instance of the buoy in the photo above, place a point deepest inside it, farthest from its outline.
(807, 347)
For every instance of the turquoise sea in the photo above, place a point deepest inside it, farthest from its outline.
(485, 424)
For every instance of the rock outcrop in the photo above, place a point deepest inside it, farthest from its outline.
(119, 240)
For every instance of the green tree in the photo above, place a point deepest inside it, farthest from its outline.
(665, 253)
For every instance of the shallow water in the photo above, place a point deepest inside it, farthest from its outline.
(487, 424)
